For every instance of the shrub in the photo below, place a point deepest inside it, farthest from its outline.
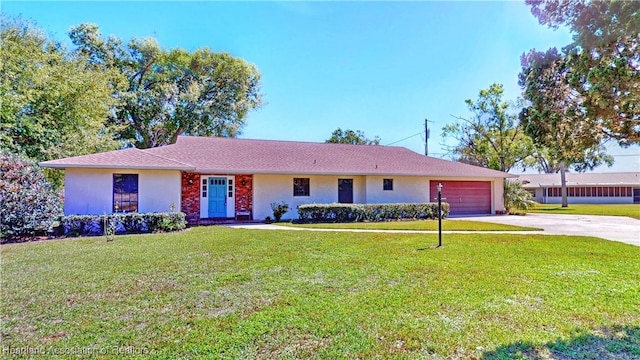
(369, 212)
(126, 223)
(28, 204)
(279, 210)
(517, 199)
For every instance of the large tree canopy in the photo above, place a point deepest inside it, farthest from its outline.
(166, 93)
(53, 106)
(602, 65)
(490, 137)
(555, 118)
(356, 137)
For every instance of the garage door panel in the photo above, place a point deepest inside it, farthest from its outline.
(465, 197)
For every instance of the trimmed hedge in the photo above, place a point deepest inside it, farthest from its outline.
(369, 212)
(125, 223)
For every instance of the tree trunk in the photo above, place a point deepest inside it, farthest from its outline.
(563, 181)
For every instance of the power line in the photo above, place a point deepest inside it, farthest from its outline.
(407, 138)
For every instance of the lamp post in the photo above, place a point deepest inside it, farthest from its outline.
(439, 215)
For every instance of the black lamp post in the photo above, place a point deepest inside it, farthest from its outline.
(439, 215)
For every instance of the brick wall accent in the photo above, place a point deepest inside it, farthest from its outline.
(191, 197)
(244, 193)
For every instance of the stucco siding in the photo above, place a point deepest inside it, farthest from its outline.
(278, 188)
(90, 191)
(497, 195)
(159, 191)
(406, 189)
(323, 189)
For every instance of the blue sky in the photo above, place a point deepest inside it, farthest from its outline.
(379, 67)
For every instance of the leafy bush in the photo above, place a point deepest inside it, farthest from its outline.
(129, 223)
(28, 204)
(517, 199)
(279, 210)
(369, 212)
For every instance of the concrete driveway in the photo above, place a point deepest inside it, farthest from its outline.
(616, 228)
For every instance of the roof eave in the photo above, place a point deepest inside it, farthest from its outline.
(132, 167)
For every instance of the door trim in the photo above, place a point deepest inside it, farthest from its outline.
(220, 183)
(348, 192)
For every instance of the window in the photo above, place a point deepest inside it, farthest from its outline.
(204, 188)
(125, 192)
(301, 187)
(387, 184)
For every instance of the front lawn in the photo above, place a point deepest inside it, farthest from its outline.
(630, 210)
(427, 225)
(217, 292)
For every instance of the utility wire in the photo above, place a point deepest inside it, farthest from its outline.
(408, 137)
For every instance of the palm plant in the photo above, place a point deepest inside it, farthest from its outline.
(516, 199)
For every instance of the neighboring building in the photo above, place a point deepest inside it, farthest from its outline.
(585, 188)
(207, 177)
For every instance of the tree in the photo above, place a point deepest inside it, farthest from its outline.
(543, 161)
(604, 60)
(28, 203)
(356, 137)
(166, 93)
(555, 118)
(53, 106)
(491, 137)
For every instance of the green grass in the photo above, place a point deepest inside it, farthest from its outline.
(216, 292)
(429, 225)
(630, 210)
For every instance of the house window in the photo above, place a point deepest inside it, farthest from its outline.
(387, 184)
(125, 192)
(301, 187)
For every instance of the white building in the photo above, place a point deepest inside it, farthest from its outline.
(217, 178)
(584, 188)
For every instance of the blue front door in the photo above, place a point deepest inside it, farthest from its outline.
(217, 197)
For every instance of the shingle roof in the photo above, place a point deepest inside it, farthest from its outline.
(120, 159)
(245, 156)
(531, 181)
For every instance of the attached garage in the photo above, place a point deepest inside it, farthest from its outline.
(464, 197)
(224, 178)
